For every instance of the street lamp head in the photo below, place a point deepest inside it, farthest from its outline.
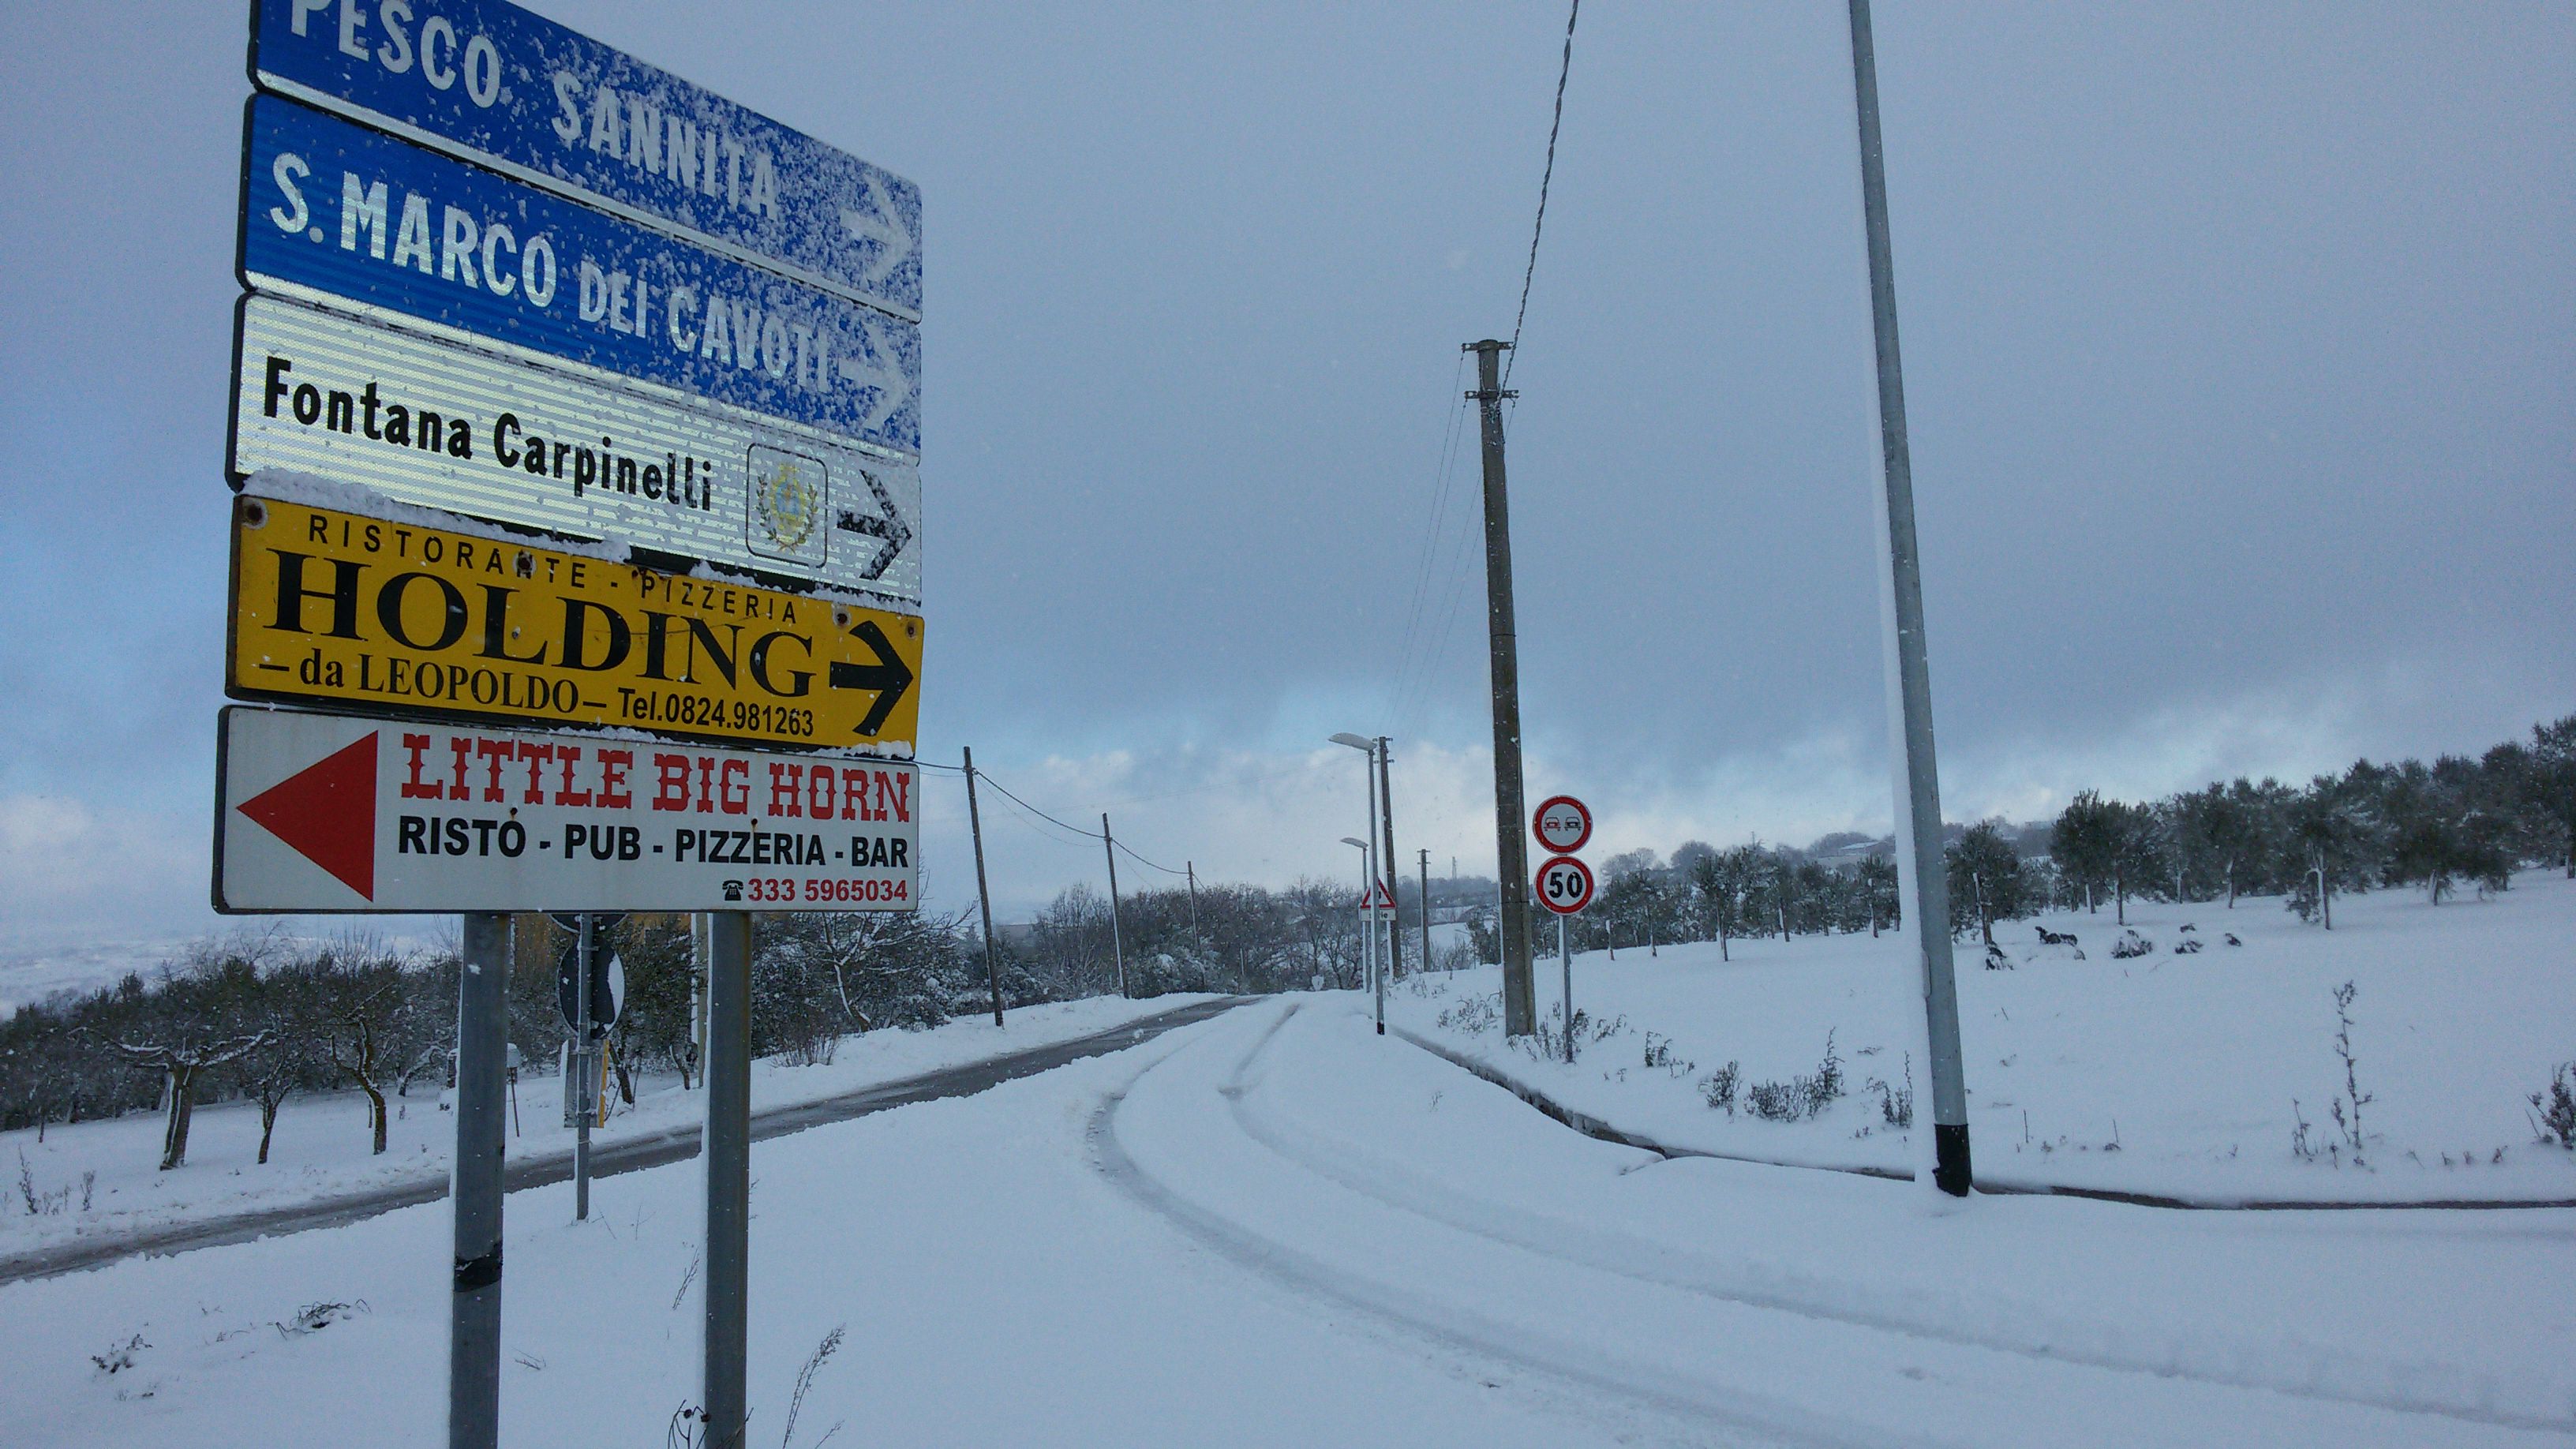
(1357, 742)
(1354, 842)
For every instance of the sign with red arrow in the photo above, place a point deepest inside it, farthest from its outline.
(328, 813)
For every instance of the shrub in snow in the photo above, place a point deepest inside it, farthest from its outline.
(1719, 1087)
(1549, 1043)
(1659, 1053)
(1799, 1097)
(119, 1356)
(2186, 948)
(1775, 1101)
(1895, 1105)
(2131, 945)
(2556, 1110)
(1474, 1015)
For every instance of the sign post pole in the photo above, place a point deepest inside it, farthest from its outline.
(984, 893)
(726, 1151)
(582, 1049)
(474, 1190)
(1565, 965)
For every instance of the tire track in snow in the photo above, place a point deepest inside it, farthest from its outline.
(2328, 1378)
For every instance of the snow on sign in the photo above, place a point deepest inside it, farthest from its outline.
(524, 96)
(1562, 824)
(464, 428)
(329, 813)
(1564, 885)
(417, 617)
(331, 210)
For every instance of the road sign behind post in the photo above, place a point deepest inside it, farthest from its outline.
(328, 813)
(450, 425)
(427, 616)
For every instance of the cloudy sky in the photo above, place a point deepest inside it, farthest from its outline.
(2240, 351)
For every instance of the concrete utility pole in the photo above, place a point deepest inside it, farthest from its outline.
(983, 895)
(1511, 852)
(1388, 867)
(1918, 783)
(1190, 868)
(474, 1186)
(1117, 947)
(726, 1152)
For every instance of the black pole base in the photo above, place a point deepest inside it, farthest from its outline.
(1950, 1160)
(1381, 1028)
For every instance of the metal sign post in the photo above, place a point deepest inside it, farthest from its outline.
(585, 1048)
(726, 1151)
(482, 1054)
(1564, 886)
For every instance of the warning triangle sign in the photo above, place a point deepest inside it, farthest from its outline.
(327, 813)
(1375, 898)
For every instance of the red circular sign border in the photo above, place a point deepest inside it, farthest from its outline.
(1590, 885)
(1580, 808)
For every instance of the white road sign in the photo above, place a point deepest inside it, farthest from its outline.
(446, 425)
(1562, 824)
(1564, 885)
(324, 813)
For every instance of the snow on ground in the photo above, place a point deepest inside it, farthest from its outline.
(1276, 1228)
(2166, 1074)
(322, 1144)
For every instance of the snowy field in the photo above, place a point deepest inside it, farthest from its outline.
(2164, 1074)
(323, 1141)
(1276, 1228)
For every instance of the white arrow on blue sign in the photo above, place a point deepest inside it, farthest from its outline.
(514, 91)
(333, 210)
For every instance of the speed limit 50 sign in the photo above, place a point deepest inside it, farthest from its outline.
(1564, 885)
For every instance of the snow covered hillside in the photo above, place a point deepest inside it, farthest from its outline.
(2161, 1073)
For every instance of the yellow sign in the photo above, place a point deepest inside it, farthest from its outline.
(427, 621)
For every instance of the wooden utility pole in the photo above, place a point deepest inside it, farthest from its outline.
(1511, 851)
(1386, 824)
(1117, 948)
(983, 894)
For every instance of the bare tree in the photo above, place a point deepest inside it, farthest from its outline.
(181, 1058)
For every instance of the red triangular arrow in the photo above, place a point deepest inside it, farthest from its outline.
(327, 813)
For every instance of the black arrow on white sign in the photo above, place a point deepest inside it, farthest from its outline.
(889, 676)
(886, 525)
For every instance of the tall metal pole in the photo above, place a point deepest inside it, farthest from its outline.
(1191, 869)
(583, 1046)
(1368, 893)
(983, 895)
(726, 1152)
(1918, 784)
(1426, 910)
(1511, 853)
(1565, 964)
(1386, 863)
(474, 1187)
(1117, 947)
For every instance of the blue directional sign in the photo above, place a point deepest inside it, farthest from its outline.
(514, 91)
(336, 211)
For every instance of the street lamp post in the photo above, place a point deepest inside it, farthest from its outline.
(1368, 940)
(1368, 749)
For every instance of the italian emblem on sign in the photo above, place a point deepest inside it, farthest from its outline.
(789, 493)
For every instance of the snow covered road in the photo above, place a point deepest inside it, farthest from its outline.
(1275, 1228)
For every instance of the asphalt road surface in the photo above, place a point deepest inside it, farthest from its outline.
(607, 1159)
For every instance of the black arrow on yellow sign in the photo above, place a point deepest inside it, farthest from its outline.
(889, 676)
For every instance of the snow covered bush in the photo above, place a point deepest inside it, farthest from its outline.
(2130, 946)
(1719, 1087)
(2556, 1110)
(1799, 1097)
(1474, 1015)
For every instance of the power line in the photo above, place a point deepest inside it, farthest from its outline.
(1564, 67)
